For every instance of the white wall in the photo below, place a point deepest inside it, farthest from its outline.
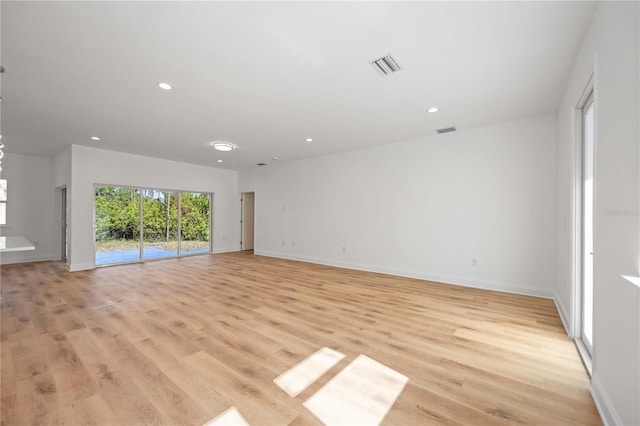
(422, 208)
(611, 52)
(95, 166)
(62, 168)
(29, 206)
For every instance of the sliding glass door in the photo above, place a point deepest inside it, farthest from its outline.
(134, 224)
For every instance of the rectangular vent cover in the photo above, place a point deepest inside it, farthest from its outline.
(447, 129)
(386, 65)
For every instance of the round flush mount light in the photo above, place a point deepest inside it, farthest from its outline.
(432, 109)
(219, 161)
(309, 140)
(223, 146)
(95, 138)
(165, 86)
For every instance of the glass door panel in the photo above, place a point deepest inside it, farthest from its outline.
(160, 224)
(117, 223)
(194, 222)
(587, 224)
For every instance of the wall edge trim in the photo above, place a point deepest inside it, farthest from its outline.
(605, 407)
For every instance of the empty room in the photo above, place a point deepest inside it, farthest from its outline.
(319, 213)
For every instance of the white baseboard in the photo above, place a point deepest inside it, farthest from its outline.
(564, 316)
(19, 257)
(605, 407)
(446, 279)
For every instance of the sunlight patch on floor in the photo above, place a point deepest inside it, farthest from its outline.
(304, 374)
(231, 417)
(361, 394)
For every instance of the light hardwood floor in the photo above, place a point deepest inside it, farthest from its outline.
(180, 341)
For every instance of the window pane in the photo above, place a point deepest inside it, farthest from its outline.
(117, 225)
(194, 211)
(160, 223)
(3, 213)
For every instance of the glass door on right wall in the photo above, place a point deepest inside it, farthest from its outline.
(587, 223)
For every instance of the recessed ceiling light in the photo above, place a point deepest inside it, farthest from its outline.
(95, 138)
(219, 161)
(433, 109)
(309, 140)
(222, 146)
(165, 86)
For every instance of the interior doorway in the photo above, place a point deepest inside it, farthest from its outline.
(247, 221)
(64, 248)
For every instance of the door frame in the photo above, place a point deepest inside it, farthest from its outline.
(64, 223)
(589, 93)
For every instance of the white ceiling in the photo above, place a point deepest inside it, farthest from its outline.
(267, 75)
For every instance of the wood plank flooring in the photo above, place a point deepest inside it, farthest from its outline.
(180, 341)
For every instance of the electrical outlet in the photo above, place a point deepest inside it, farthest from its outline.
(282, 242)
(474, 261)
(344, 249)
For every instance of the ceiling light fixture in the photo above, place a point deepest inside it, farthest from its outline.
(309, 140)
(219, 161)
(165, 86)
(223, 146)
(433, 109)
(95, 138)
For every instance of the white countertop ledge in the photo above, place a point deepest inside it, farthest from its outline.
(8, 244)
(633, 280)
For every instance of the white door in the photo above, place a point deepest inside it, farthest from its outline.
(248, 204)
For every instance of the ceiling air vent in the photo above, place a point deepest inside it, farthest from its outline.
(447, 129)
(261, 164)
(386, 65)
